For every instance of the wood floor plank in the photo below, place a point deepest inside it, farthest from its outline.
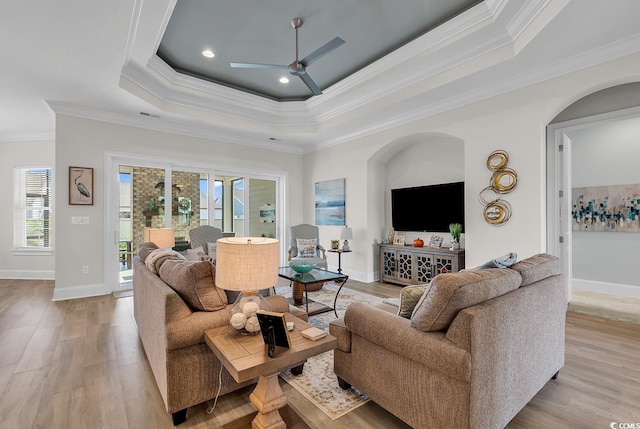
(20, 399)
(79, 364)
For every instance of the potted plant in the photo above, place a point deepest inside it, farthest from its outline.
(455, 229)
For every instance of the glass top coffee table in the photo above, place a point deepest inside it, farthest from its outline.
(300, 283)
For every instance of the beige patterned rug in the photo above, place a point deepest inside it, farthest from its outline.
(318, 382)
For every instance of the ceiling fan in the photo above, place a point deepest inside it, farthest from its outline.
(299, 67)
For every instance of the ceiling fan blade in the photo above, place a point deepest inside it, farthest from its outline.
(310, 84)
(322, 50)
(257, 66)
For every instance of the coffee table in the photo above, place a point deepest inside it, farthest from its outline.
(300, 283)
(245, 357)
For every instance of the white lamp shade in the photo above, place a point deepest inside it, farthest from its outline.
(161, 237)
(246, 263)
(346, 233)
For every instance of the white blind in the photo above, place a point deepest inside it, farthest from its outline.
(37, 208)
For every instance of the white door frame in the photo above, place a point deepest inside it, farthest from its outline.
(112, 192)
(559, 183)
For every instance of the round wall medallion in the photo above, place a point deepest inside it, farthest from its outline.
(504, 181)
(497, 160)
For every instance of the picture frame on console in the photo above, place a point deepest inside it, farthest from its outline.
(399, 240)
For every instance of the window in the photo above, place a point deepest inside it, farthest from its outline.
(34, 209)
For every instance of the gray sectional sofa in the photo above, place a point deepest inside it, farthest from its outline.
(477, 346)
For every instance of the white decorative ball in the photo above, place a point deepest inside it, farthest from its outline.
(238, 321)
(252, 324)
(250, 308)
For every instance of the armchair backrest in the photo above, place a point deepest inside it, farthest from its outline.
(303, 230)
(204, 234)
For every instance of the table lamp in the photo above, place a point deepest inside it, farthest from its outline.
(346, 234)
(247, 264)
(161, 237)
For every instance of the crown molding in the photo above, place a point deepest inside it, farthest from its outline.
(205, 131)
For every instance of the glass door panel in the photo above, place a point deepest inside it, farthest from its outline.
(262, 208)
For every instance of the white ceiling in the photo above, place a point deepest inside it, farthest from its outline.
(98, 60)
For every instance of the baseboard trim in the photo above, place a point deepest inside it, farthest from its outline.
(28, 274)
(82, 291)
(608, 288)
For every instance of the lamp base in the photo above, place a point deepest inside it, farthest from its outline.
(243, 313)
(345, 246)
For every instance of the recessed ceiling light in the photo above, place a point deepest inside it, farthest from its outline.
(284, 79)
(208, 53)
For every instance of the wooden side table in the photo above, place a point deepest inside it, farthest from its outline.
(245, 357)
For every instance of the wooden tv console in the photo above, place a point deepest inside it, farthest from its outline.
(410, 265)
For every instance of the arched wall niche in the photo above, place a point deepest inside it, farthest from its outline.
(413, 160)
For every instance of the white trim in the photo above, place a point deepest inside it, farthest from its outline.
(82, 291)
(32, 251)
(28, 274)
(608, 288)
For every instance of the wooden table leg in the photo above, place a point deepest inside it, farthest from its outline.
(297, 292)
(268, 397)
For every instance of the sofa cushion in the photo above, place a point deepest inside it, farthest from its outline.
(537, 267)
(449, 293)
(146, 248)
(195, 283)
(409, 297)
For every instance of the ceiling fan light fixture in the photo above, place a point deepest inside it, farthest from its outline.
(208, 53)
(283, 80)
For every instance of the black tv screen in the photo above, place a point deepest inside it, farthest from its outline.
(428, 208)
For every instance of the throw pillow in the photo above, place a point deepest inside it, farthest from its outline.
(196, 254)
(195, 283)
(409, 297)
(306, 247)
(449, 293)
(157, 257)
(146, 248)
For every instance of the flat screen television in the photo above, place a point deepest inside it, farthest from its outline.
(428, 208)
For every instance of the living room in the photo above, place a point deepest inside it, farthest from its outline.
(446, 140)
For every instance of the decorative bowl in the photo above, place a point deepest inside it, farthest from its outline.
(301, 267)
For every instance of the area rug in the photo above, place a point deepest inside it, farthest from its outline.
(318, 382)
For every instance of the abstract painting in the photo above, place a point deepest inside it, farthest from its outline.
(606, 208)
(330, 202)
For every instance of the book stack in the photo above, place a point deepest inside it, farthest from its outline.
(314, 333)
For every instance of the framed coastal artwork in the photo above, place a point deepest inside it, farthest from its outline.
(329, 202)
(606, 208)
(81, 186)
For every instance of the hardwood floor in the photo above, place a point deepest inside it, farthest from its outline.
(80, 364)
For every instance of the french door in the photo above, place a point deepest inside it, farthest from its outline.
(143, 193)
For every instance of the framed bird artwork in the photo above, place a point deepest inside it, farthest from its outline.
(81, 186)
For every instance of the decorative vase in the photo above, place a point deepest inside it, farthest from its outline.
(455, 246)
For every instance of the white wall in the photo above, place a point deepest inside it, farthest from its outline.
(21, 154)
(83, 142)
(515, 122)
(606, 154)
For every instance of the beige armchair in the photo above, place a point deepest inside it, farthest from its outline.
(306, 231)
